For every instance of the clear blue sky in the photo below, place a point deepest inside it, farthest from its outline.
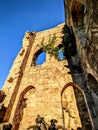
(19, 16)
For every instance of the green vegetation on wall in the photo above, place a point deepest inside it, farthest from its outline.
(50, 47)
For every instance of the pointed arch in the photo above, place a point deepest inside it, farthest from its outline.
(78, 10)
(19, 108)
(88, 119)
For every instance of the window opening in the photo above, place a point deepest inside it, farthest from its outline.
(85, 8)
(38, 58)
(41, 58)
(78, 13)
(61, 55)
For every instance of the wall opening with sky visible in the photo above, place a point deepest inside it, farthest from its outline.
(41, 58)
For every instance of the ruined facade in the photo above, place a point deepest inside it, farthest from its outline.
(62, 89)
(81, 16)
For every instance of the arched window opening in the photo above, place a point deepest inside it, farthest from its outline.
(19, 112)
(41, 58)
(38, 58)
(61, 55)
(82, 106)
(78, 13)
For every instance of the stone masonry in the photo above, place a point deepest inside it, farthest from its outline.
(32, 89)
(36, 89)
(82, 18)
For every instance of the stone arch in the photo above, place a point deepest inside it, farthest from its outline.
(19, 108)
(34, 59)
(82, 105)
(78, 12)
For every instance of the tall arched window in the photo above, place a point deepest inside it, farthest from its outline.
(78, 12)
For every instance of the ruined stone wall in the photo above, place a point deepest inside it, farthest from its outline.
(82, 15)
(12, 84)
(32, 89)
(36, 89)
(92, 37)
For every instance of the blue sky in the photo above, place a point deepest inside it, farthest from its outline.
(19, 16)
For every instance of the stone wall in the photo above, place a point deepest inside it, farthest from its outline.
(82, 15)
(32, 89)
(36, 89)
(12, 84)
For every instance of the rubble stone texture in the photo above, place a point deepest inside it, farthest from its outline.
(81, 15)
(36, 89)
(32, 89)
(82, 18)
